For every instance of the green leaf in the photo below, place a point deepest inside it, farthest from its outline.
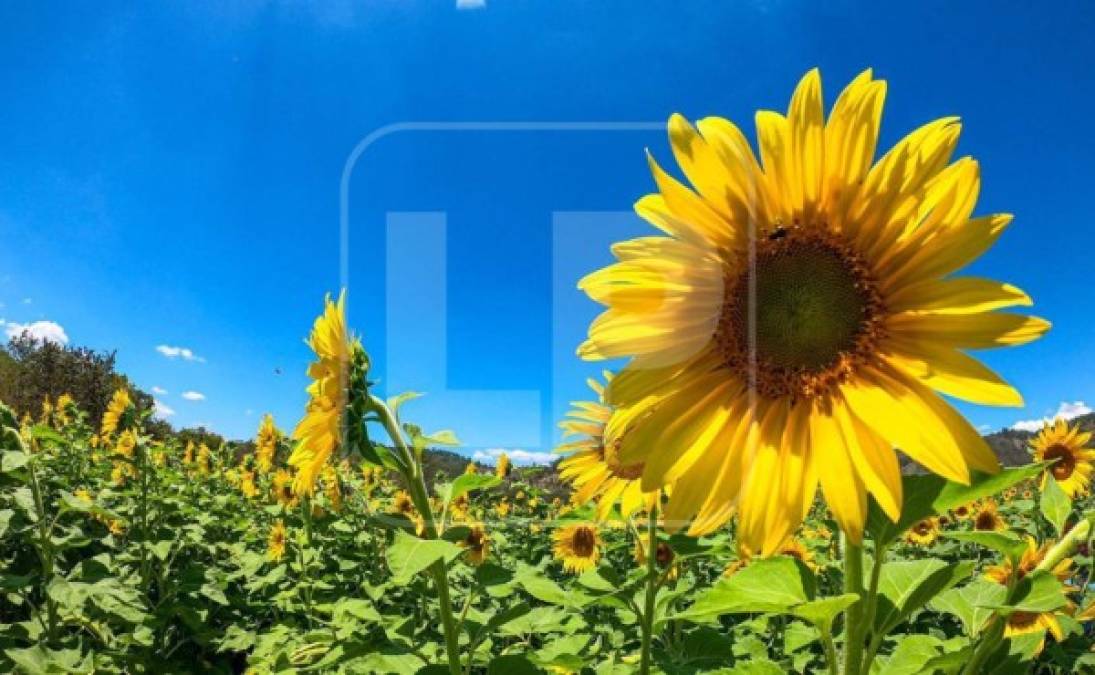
(773, 585)
(1007, 543)
(911, 655)
(906, 586)
(394, 402)
(971, 603)
(11, 460)
(464, 484)
(540, 587)
(1055, 504)
(1037, 592)
(928, 494)
(46, 434)
(409, 555)
(759, 666)
(823, 611)
(38, 660)
(512, 664)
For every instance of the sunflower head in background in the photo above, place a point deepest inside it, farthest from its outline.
(798, 317)
(986, 517)
(1066, 446)
(275, 543)
(578, 547)
(592, 466)
(266, 444)
(120, 413)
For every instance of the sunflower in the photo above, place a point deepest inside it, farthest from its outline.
(84, 495)
(477, 544)
(471, 469)
(205, 460)
(502, 508)
(275, 544)
(126, 445)
(663, 558)
(403, 505)
(247, 484)
(266, 444)
(188, 454)
(594, 467)
(923, 532)
(320, 432)
(987, 518)
(332, 488)
(282, 489)
(64, 410)
(503, 467)
(578, 547)
(1032, 556)
(1066, 446)
(117, 412)
(1023, 623)
(963, 512)
(800, 316)
(796, 549)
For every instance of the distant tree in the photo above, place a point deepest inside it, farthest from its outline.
(32, 370)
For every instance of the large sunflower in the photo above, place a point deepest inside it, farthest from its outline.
(320, 432)
(799, 318)
(1073, 461)
(594, 467)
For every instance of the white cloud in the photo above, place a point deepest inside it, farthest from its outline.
(1067, 410)
(516, 455)
(47, 331)
(179, 353)
(471, 4)
(159, 391)
(161, 410)
(193, 396)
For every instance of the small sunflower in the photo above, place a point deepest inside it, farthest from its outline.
(117, 412)
(800, 317)
(1032, 556)
(986, 517)
(796, 549)
(64, 411)
(127, 444)
(275, 543)
(188, 454)
(594, 467)
(963, 512)
(204, 460)
(247, 484)
(503, 467)
(282, 489)
(476, 544)
(471, 469)
(578, 547)
(266, 444)
(663, 558)
(923, 533)
(1073, 461)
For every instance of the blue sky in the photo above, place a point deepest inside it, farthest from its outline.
(170, 177)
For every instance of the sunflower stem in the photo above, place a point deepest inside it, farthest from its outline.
(872, 609)
(853, 616)
(647, 624)
(411, 468)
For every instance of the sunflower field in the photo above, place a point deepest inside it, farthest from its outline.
(735, 499)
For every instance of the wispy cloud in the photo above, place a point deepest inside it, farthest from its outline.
(193, 396)
(179, 353)
(47, 331)
(161, 410)
(1067, 410)
(516, 455)
(160, 391)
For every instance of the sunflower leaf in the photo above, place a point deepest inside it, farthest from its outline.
(1055, 504)
(1038, 592)
(773, 585)
(970, 603)
(906, 586)
(409, 555)
(928, 494)
(1007, 543)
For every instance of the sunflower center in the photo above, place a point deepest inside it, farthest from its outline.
(1066, 461)
(584, 542)
(617, 468)
(802, 315)
(985, 521)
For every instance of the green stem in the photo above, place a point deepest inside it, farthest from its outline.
(872, 609)
(647, 624)
(853, 616)
(416, 485)
(830, 652)
(990, 638)
(45, 550)
(305, 551)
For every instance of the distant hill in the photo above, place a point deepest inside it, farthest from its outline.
(1011, 445)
